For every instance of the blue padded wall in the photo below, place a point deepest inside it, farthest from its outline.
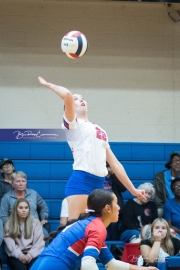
(48, 165)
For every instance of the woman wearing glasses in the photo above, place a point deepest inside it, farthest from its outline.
(7, 169)
(172, 208)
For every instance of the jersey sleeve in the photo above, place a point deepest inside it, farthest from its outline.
(96, 235)
(69, 125)
(105, 255)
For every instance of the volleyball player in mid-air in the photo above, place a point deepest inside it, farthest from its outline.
(91, 150)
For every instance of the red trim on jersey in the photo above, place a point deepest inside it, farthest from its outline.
(79, 246)
(66, 124)
(96, 234)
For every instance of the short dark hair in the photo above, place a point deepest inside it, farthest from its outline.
(177, 179)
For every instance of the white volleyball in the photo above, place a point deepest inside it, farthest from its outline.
(74, 44)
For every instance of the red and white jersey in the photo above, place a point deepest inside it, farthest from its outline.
(88, 143)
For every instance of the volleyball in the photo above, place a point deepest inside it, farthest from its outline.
(74, 44)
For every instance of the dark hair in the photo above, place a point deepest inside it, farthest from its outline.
(98, 199)
(174, 181)
(96, 202)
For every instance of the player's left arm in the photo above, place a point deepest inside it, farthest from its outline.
(121, 174)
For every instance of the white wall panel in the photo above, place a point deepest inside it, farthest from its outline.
(130, 75)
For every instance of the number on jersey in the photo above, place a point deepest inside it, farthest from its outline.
(100, 134)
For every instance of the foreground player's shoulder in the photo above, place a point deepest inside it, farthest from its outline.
(97, 226)
(69, 125)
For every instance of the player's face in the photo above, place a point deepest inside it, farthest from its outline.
(7, 168)
(175, 163)
(80, 104)
(23, 210)
(114, 210)
(176, 189)
(160, 228)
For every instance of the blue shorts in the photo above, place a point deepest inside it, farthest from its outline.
(82, 182)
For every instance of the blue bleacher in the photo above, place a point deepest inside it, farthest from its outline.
(48, 166)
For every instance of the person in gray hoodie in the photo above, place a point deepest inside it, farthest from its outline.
(38, 206)
(23, 237)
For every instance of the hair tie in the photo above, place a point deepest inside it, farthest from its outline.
(89, 210)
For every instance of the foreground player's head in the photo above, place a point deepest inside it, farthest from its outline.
(103, 203)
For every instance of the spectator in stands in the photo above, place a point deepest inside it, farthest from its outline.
(159, 246)
(136, 213)
(84, 241)
(112, 183)
(162, 181)
(172, 207)
(38, 206)
(64, 212)
(7, 168)
(1, 239)
(23, 237)
(90, 148)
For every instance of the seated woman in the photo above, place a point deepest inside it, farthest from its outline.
(82, 242)
(23, 237)
(38, 206)
(172, 208)
(136, 213)
(160, 245)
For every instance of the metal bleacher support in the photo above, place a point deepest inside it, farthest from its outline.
(48, 166)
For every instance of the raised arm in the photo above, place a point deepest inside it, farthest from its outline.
(65, 95)
(119, 171)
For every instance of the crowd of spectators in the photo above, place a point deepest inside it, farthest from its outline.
(160, 210)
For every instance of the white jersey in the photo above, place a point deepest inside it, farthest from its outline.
(88, 143)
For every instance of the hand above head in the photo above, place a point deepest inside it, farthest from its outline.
(42, 81)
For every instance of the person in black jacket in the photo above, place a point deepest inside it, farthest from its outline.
(136, 213)
(112, 183)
